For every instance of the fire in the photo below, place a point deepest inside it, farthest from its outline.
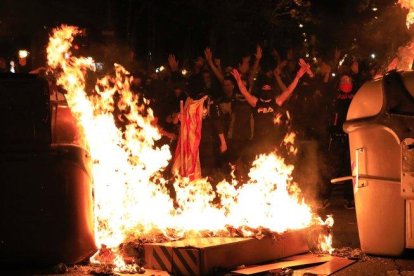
(131, 197)
(277, 120)
(289, 143)
(409, 5)
(405, 57)
(325, 240)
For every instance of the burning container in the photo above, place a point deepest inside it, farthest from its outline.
(380, 124)
(46, 192)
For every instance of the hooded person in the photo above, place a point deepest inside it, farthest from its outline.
(265, 107)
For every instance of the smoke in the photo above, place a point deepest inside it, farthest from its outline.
(107, 52)
(306, 172)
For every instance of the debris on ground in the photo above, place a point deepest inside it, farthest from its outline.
(400, 273)
(96, 270)
(60, 268)
(351, 253)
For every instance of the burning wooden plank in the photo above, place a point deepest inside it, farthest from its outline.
(202, 256)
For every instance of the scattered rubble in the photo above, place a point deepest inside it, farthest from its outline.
(351, 253)
(400, 273)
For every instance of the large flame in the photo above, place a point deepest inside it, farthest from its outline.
(409, 5)
(405, 55)
(130, 195)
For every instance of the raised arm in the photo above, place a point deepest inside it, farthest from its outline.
(209, 57)
(255, 68)
(327, 74)
(289, 90)
(172, 63)
(252, 100)
(277, 72)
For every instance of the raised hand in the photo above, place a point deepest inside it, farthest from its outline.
(355, 66)
(259, 52)
(328, 69)
(275, 55)
(302, 63)
(304, 68)
(172, 62)
(337, 54)
(235, 74)
(208, 54)
(217, 62)
(245, 59)
(223, 147)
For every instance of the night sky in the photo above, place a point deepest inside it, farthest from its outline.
(230, 27)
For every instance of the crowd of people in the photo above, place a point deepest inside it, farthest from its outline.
(250, 106)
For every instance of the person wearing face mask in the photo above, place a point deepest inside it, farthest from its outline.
(338, 144)
(345, 93)
(265, 106)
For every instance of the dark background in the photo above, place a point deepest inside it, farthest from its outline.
(152, 29)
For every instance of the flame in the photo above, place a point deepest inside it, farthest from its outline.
(325, 240)
(131, 199)
(289, 142)
(405, 57)
(277, 120)
(409, 5)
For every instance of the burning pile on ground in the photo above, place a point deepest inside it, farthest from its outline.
(132, 200)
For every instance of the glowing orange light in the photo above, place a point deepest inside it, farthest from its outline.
(409, 5)
(131, 196)
(23, 53)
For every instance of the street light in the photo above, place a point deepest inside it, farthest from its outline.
(23, 57)
(23, 53)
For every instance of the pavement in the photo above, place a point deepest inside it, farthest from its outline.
(345, 237)
(345, 234)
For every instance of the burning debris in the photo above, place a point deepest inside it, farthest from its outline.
(132, 201)
(409, 5)
(350, 253)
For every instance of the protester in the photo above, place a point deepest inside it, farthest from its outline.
(265, 105)
(239, 108)
(339, 143)
(3, 65)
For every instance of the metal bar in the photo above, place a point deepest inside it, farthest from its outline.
(365, 177)
(357, 151)
(341, 179)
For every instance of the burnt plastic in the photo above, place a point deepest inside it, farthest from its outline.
(380, 117)
(46, 205)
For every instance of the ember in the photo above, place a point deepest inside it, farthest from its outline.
(132, 201)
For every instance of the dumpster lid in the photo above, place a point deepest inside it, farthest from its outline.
(368, 101)
(393, 94)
